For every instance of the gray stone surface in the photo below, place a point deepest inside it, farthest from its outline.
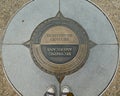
(90, 80)
(27, 19)
(95, 75)
(23, 73)
(92, 19)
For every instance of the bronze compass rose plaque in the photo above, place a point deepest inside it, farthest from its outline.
(59, 45)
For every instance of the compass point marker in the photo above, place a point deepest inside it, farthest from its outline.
(59, 14)
(27, 44)
(92, 44)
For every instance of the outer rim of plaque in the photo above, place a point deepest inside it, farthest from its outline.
(54, 65)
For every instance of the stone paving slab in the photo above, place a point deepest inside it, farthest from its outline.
(19, 64)
(24, 22)
(83, 83)
(92, 19)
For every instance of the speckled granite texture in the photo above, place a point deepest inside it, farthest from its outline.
(8, 9)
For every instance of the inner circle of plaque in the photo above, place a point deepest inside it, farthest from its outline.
(59, 46)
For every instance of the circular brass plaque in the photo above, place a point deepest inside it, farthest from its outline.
(59, 46)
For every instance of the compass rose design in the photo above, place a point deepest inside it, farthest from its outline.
(59, 46)
(58, 42)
